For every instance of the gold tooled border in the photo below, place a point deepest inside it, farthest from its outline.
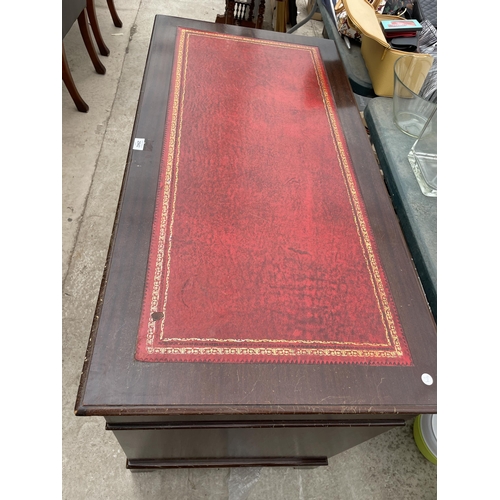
(171, 152)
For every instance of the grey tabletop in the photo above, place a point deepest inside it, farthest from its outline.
(417, 213)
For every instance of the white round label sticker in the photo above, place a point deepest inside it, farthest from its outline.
(427, 379)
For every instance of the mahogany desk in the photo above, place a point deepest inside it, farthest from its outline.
(211, 414)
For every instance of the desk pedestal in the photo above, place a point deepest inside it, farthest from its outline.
(245, 441)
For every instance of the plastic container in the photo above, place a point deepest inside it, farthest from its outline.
(425, 435)
(411, 110)
(423, 157)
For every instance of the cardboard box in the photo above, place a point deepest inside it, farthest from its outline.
(317, 15)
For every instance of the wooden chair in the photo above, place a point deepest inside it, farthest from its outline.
(75, 10)
(241, 13)
(116, 20)
(94, 24)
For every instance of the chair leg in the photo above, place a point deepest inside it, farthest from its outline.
(250, 13)
(228, 16)
(292, 12)
(229, 12)
(260, 17)
(84, 29)
(80, 104)
(114, 15)
(94, 24)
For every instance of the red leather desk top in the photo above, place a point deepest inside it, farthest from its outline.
(261, 248)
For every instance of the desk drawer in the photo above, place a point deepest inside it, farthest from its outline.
(233, 443)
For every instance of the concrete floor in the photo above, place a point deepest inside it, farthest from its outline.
(94, 152)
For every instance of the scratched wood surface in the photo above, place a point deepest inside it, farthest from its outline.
(113, 383)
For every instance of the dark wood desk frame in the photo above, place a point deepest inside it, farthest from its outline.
(208, 414)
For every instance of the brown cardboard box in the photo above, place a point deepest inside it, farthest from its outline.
(317, 15)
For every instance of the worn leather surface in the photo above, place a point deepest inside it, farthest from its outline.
(261, 248)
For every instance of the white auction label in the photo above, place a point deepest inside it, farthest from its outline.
(139, 144)
(427, 379)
